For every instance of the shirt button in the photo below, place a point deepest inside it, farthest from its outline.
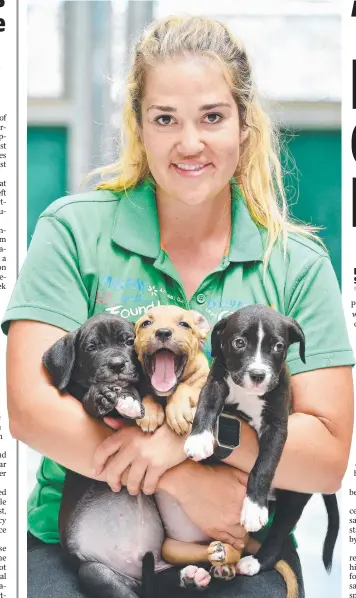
(201, 298)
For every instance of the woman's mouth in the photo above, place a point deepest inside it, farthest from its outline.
(191, 170)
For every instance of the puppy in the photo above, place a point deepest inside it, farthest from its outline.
(97, 364)
(249, 371)
(168, 341)
(100, 529)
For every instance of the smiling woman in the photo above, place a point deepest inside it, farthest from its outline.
(195, 211)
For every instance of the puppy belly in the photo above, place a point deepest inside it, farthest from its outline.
(176, 523)
(116, 529)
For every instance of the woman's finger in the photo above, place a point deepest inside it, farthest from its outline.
(151, 480)
(116, 468)
(106, 449)
(115, 423)
(135, 477)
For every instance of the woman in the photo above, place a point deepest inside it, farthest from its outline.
(194, 214)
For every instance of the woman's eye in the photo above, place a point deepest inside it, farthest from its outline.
(278, 347)
(146, 323)
(214, 118)
(238, 343)
(164, 120)
(184, 324)
(130, 342)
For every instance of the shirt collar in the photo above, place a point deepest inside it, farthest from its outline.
(136, 225)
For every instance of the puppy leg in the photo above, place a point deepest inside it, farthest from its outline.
(289, 508)
(200, 442)
(154, 415)
(181, 408)
(98, 580)
(254, 514)
(103, 398)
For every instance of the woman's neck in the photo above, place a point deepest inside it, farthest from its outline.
(182, 224)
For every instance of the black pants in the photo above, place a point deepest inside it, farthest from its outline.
(50, 575)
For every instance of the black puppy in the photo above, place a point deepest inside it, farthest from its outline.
(97, 364)
(249, 371)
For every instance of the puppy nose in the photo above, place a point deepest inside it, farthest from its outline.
(163, 334)
(257, 375)
(117, 362)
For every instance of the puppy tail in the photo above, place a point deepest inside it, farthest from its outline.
(333, 529)
(289, 577)
(148, 576)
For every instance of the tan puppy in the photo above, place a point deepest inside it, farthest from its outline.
(168, 341)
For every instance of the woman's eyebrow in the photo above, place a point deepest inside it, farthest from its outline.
(204, 107)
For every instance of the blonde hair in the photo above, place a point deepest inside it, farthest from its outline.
(259, 172)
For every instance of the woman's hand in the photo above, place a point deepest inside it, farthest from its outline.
(212, 498)
(143, 458)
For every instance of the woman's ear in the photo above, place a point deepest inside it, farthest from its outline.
(59, 360)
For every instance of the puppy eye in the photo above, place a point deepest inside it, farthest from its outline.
(129, 342)
(146, 323)
(238, 343)
(90, 347)
(184, 324)
(278, 348)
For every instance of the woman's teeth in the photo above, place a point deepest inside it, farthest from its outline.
(190, 166)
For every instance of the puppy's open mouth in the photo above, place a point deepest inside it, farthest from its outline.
(164, 369)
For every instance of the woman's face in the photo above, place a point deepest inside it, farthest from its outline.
(190, 129)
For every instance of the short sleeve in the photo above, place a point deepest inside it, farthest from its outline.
(314, 301)
(50, 288)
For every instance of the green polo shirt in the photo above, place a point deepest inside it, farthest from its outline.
(101, 251)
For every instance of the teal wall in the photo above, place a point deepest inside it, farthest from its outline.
(318, 160)
(47, 168)
(317, 155)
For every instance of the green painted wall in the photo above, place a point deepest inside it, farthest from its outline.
(47, 169)
(318, 159)
(318, 176)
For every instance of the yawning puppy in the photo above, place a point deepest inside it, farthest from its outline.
(249, 371)
(168, 343)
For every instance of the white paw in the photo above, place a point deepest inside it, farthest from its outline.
(199, 446)
(224, 572)
(129, 407)
(253, 517)
(192, 576)
(248, 566)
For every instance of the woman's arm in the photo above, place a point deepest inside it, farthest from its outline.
(54, 424)
(319, 433)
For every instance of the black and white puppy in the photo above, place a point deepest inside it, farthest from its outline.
(249, 371)
(98, 365)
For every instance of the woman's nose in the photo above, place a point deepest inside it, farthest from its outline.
(190, 142)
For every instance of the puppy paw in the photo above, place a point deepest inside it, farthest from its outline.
(253, 516)
(199, 446)
(130, 407)
(216, 553)
(194, 577)
(101, 399)
(249, 565)
(179, 416)
(223, 572)
(154, 415)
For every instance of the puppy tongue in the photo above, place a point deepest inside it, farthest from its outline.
(164, 378)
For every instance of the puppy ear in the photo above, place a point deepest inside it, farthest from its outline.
(296, 335)
(216, 337)
(201, 323)
(59, 360)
